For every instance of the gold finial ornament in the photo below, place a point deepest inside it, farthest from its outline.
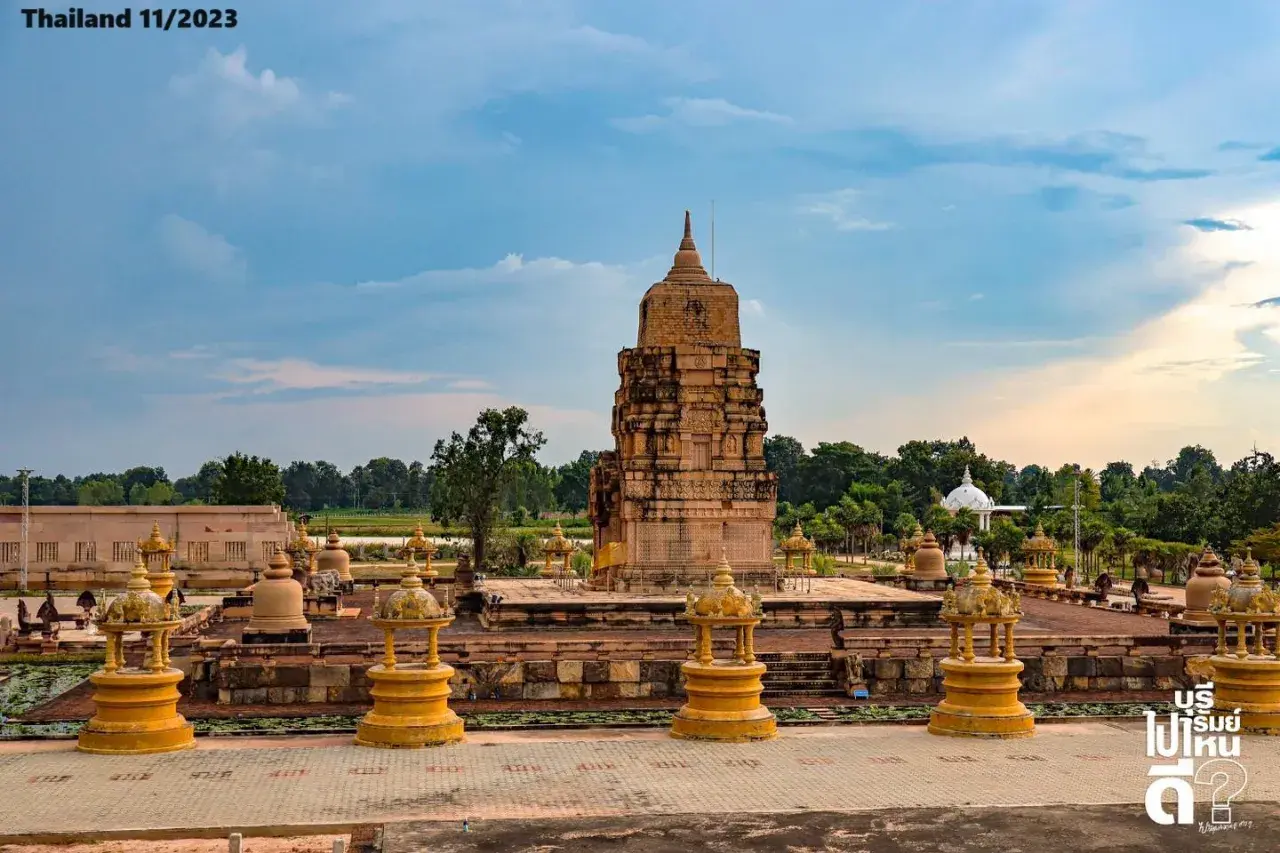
(724, 695)
(796, 545)
(157, 555)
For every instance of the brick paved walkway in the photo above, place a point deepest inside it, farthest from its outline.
(325, 782)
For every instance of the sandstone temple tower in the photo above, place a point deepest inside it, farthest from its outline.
(686, 482)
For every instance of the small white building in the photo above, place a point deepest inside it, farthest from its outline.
(968, 496)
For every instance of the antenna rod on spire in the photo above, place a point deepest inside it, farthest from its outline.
(713, 240)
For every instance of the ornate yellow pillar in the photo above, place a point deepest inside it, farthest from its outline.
(557, 549)
(1246, 674)
(1038, 568)
(410, 700)
(136, 707)
(724, 695)
(981, 690)
(157, 555)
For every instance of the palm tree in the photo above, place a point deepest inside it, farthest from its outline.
(1121, 539)
(870, 523)
(963, 526)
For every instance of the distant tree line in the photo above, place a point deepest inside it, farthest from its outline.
(381, 484)
(847, 497)
(844, 496)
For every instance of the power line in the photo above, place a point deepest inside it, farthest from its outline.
(26, 527)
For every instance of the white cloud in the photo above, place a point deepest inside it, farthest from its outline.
(1187, 376)
(195, 249)
(237, 96)
(511, 269)
(470, 385)
(1067, 343)
(976, 297)
(698, 112)
(299, 374)
(754, 306)
(838, 206)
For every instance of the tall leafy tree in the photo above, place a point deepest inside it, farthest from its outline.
(783, 456)
(471, 471)
(248, 481)
(573, 481)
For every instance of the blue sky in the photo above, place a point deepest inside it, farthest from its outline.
(339, 230)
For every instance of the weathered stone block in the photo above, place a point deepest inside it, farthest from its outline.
(275, 696)
(1169, 666)
(1111, 667)
(317, 694)
(1132, 683)
(1054, 666)
(542, 690)
(569, 671)
(888, 669)
(1082, 667)
(540, 671)
(659, 670)
(595, 671)
(291, 675)
(323, 675)
(571, 690)
(629, 689)
(624, 670)
(918, 668)
(1107, 683)
(919, 685)
(513, 674)
(253, 696)
(1138, 668)
(884, 687)
(1077, 682)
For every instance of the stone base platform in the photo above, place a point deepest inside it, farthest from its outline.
(534, 602)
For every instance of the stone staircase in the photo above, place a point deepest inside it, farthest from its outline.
(799, 674)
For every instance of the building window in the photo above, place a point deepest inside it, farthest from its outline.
(122, 552)
(46, 552)
(233, 552)
(86, 552)
(10, 552)
(198, 552)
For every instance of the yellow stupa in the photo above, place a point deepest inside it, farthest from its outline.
(1039, 553)
(981, 690)
(724, 695)
(410, 700)
(137, 706)
(157, 555)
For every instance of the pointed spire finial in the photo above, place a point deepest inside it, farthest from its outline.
(688, 227)
(688, 263)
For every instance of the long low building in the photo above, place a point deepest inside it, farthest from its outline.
(83, 546)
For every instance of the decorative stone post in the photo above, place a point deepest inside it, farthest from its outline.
(981, 690)
(1208, 578)
(1039, 553)
(796, 545)
(137, 707)
(157, 556)
(410, 700)
(557, 549)
(1246, 676)
(277, 606)
(724, 695)
(334, 558)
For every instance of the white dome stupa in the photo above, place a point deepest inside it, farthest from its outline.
(967, 495)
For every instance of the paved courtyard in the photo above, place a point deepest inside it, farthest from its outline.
(317, 783)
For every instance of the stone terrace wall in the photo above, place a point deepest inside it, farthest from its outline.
(903, 665)
(579, 669)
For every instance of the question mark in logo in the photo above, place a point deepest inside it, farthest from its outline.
(1230, 777)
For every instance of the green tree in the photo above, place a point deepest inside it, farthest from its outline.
(471, 471)
(904, 524)
(963, 526)
(100, 492)
(200, 486)
(783, 456)
(248, 481)
(573, 481)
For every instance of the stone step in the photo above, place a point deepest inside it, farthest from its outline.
(792, 657)
(813, 691)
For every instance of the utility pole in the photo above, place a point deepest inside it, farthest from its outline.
(26, 528)
(1076, 513)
